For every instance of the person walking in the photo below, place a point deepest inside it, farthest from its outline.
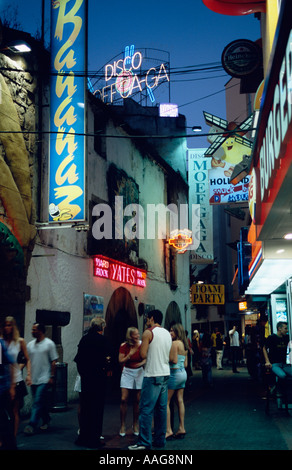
(234, 348)
(43, 357)
(219, 350)
(206, 359)
(16, 347)
(131, 377)
(93, 363)
(213, 349)
(189, 360)
(155, 348)
(7, 395)
(195, 348)
(178, 378)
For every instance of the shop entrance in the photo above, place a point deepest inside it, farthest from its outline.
(120, 315)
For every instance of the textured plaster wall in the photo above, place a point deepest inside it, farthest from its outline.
(61, 271)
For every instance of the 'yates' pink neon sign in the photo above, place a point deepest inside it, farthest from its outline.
(117, 271)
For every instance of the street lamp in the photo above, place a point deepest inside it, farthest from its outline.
(196, 129)
(18, 46)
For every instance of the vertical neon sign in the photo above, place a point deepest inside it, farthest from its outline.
(67, 111)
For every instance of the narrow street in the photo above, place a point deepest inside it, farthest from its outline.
(229, 416)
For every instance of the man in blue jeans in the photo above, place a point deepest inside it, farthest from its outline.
(43, 356)
(275, 354)
(155, 348)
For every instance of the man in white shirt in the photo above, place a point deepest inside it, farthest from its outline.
(234, 348)
(155, 348)
(43, 356)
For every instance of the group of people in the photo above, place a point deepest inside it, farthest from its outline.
(153, 369)
(207, 351)
(39, 357)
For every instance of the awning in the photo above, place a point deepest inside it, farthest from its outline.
(271, 274)
(270, 268)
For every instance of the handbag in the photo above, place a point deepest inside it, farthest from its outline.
(21, 359)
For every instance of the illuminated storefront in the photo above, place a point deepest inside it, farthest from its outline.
(270, 270)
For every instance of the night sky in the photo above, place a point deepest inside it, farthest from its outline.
(193, 36)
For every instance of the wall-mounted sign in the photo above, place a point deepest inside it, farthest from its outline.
(241, 57)
(168, 110)
(67, 111)
(223, 192)
(127, 76)
(272, 155)
(181, 239)
(252, 194)
(242, 306)
(280, 115)
(93, 306)
(244, 257)
(208, 294)
(228, 144)
(117, 271)
(198, 167)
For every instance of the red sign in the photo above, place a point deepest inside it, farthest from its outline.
(117, 271)
(272, 152)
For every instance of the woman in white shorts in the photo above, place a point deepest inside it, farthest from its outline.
(131, 378)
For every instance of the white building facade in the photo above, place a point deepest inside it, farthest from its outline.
(64, 291)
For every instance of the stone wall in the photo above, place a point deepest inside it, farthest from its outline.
(18, 151)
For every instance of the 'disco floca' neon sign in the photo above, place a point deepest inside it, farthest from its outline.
(124, 77)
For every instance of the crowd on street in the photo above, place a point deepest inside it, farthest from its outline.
(155, 371)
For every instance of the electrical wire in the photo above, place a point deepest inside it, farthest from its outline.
(206, 68)
(208, 96)
(128, 136)
(90, 74)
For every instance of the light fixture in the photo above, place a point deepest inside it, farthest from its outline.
(18, 46)
(196, 129)
(180, 239)
(263, 283)
(288, 236)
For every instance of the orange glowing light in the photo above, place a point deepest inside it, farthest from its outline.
(180, 239)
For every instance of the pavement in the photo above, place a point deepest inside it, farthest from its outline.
(229, 416)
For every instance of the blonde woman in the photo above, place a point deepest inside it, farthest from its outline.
(177, 380)
(131, 378)
(16, 348)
